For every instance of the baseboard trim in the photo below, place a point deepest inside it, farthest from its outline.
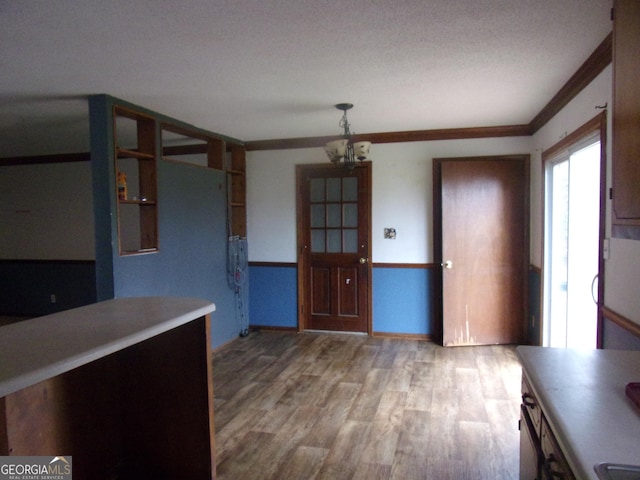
(421, 337)
(398, 336)
(269, 328)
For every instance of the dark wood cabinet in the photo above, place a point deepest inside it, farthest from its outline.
(626, 119)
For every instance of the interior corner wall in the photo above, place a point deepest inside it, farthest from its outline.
(401, 198)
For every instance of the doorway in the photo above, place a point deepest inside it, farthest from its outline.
(572, 246)
(481, 240)
(334, 239)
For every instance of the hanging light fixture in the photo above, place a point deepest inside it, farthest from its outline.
(344, 150)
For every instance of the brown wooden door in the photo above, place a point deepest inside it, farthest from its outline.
(334, 208)
(482, 241)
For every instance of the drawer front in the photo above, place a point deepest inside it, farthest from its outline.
(531, 406)
(554, 463)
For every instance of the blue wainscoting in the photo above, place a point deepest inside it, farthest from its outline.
(402, 298)
(26, 286)
(273, 296)
(534, 314)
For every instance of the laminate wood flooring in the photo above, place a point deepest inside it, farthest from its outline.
(329, 406)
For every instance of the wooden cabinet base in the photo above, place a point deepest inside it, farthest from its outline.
(143, 412)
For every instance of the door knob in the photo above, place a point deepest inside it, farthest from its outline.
(448, 264)
(363, 260)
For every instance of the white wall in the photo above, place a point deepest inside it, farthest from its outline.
(401, 198)
(46, 212)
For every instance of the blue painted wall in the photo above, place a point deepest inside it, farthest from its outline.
(192, 230)
(402, 299)
(534, 314)
(273, 296)
(26, 286)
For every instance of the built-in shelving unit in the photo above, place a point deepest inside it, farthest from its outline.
(237, 186)
(137, 152)
(136, 180)
(181, 144)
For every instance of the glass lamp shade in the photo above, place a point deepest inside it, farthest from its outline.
(336, 150)
(361, 150)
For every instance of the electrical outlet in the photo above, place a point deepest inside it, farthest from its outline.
(53, 298)
(390, 233)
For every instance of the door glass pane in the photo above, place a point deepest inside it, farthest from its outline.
(317, 241)
(334, 241)
(350, 189)
(333, 215)
(572, 192)
(350, 240)
(350, 217)
(334, 188)
(317, 215)
(317, 190)
(559, 212)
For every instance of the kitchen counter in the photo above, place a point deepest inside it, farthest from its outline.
(122, 386)
(582, 394)
(41, 348)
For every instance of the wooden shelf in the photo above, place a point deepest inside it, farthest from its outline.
(236, 183)
(125, 153)
(137, 164)
(138, 252)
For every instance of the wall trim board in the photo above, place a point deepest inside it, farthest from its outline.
(269, 328)
(375, 265)
(599, 59)
(404, 336)
(394, 137)
(273, 264)
(48, 261)
(407, 265)
(620, 320)
(586, 73)
(589, 70)
(52, 158)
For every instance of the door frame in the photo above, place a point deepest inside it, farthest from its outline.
(303, 251)
(438, 242)
(596, 124)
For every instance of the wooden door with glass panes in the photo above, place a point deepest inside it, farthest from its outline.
(334, 212)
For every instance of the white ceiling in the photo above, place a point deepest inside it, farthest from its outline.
(265, 69)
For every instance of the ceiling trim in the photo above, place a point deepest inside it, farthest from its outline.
(394, 137)
(588, 71)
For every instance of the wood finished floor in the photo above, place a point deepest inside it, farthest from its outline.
(318, 406)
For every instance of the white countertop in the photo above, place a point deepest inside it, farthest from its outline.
(582, 393)
(41, 348)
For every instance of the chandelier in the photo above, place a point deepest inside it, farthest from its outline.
(344, 152)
